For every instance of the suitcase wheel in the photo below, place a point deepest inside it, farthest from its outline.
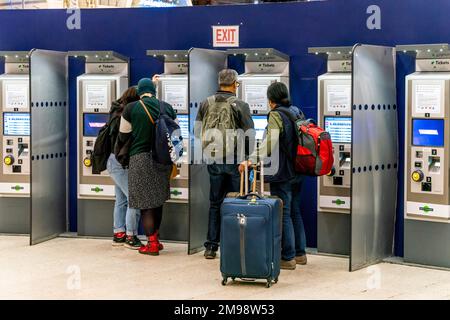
(224, 281)
(276, 280)
(269, 283)
(233, 278)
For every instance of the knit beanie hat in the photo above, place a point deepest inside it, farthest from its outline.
(146, 85)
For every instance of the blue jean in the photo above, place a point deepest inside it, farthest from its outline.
(293, 241)
(223, 178)
(125, 219)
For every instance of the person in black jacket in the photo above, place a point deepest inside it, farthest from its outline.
(285, 183)
(126, 220)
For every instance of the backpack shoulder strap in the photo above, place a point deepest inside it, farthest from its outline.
(287, 113)
(211, 100)
(146, 111)
(231, 99)
(162, 107)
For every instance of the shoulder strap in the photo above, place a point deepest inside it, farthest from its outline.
(287, 113)
(291, 117)
(146, 111)
(231, 99)
(162, 108)
(211, 100)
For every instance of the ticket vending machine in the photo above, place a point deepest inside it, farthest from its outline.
(427, 156)
(172, 88)
(15, 143)
(263, 66)
(104, 81)
(335, 116)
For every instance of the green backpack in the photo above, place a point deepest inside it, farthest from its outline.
(221, 116)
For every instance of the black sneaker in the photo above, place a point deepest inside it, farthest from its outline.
(210, 253)
(133, 242)
(119, 239)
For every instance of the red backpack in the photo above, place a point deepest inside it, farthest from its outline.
(315, 149)
(314, 156)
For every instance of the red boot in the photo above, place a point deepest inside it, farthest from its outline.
(152, 246)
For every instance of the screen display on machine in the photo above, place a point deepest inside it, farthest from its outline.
(256, 96)
(183, 121)
(260, 126)
(16, 124)
(93, 122)
(428, 132)
(339, 128)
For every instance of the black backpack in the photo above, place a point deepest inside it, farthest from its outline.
(103, 145)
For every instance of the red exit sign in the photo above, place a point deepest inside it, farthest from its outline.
(225, 36)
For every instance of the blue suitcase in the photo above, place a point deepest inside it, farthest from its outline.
(250, 244)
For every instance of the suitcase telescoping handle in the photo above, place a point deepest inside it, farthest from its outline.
(244, 182)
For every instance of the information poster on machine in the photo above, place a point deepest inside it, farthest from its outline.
(176, 95)
(428, 98)
(96, 96)
(256, 96)
(339, 97)
(16, 95)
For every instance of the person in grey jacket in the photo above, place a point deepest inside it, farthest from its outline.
(224, 177)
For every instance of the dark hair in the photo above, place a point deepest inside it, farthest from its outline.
(130, 95)
(278, 93)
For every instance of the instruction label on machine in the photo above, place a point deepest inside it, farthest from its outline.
(176, 95)
(428, 98)
(96, 96)
(339, 98)
(256, 96)
(16, 95)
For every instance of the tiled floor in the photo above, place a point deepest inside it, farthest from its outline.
(92, 269)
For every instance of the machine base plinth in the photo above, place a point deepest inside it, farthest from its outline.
(95, 218)
(333, 233)
(175, 222)
(15, 215)
(427, 242)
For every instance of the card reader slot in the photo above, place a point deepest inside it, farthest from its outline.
(23, 149)
(344, 160)
(434, 164)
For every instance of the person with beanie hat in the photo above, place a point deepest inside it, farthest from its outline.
(149, 181)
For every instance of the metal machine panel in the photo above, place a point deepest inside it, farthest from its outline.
(49, 93)
(375, 155)
(204, 66)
